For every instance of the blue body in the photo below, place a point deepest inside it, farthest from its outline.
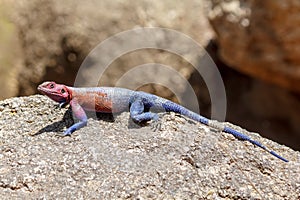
(140, 104)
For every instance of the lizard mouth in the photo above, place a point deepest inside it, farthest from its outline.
(44, 90)
(48, 92)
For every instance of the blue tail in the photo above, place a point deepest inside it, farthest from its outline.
(171, 106)
(245, 137)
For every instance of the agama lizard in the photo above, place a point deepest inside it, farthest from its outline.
(114, 100)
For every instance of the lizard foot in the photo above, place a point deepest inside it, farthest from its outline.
(61, 105)
(156, 124)
(64, 134)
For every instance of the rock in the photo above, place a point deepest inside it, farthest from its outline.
(260, 38)
(10, 54)
(56, 37)
(109, 160)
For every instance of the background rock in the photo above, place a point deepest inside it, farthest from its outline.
(57, 37)
(10, 54)
(260, 38)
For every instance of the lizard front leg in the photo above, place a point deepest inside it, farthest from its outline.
(80, 114)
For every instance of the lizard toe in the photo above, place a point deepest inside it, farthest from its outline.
(61, 134)
(156, 125)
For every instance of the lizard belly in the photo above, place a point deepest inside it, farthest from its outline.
(102, 103)
(106, 100)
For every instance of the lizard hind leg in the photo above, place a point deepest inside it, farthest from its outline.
(138, 115)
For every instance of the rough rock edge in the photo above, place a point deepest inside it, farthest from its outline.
(183, 160)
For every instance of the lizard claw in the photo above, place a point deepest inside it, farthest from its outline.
(156, 124)
(62, 105)
(68, 132)
(62, 134)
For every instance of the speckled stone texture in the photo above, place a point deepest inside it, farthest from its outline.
(260, 38)
(111, 159)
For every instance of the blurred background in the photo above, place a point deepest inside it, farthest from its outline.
(254, 44)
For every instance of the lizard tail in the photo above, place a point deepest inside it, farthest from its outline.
(171, 106)
(247, 138)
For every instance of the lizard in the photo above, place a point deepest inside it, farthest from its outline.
(116, 100)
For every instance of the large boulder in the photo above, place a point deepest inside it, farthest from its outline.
(260, 38)
(56, 37)
(121, 160)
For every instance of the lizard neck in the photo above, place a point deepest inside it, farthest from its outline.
(70, 96)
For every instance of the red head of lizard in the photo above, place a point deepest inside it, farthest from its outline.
(57, 92)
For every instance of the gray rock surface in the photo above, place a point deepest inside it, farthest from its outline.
(119, 159)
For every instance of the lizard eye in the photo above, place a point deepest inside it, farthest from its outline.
(51, 85)
(62, 91)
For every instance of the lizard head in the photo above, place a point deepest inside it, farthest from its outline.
(57, 92)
